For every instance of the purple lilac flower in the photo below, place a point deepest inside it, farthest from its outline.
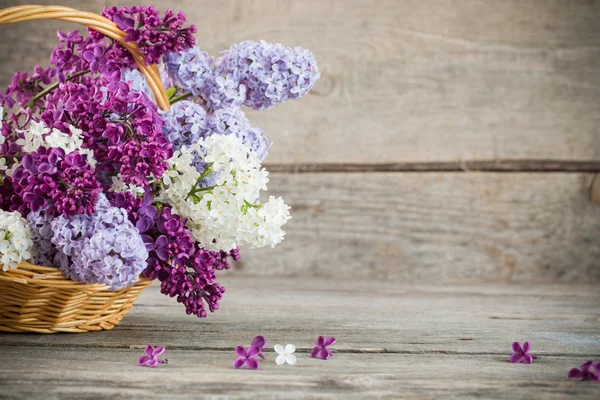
(521, 354)
(185, 271)
(154, 35)
(151, 358)
(191, 70)
(321, 350)
(23, 87)
(246, 357)
(584, 373)
(261, 343)
(124, 129)
(271, 73)
(103, 248)
(48, 177)
(77, 55)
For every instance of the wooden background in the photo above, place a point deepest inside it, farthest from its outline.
(446, 140)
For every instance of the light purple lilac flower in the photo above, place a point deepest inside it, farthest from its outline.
(246, 357)
(321, 350)
(191, 70)
(103, 248)
(185, 123)
(151, 358)
(233, 120)
(137, 82)
(261, 343)
(584, 373)
(271, 73)
(39, 222)
(521, 354)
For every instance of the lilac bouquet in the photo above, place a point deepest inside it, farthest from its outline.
(97, 181)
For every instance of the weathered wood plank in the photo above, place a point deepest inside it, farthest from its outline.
(435, 227)
(394, 340)
(407, 80)
(31, 372)
(365, 316)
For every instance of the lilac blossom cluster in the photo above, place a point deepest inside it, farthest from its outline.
(187, 122)
(111, 187)
(49, 178)
(258, 75)
(155, 35)
(103, 248)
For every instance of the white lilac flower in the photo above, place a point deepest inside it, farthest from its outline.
(33, 137)
(119, 186)
(39, 135)
(15, 239)
(285, 355)
(227, 214)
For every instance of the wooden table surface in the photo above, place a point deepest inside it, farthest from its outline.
(393, 341)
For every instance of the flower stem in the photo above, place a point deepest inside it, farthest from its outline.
(50, 88)
(179, 98)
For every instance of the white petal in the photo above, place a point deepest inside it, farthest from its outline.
(280, 359)
(290, 359)
(279, 349)
(290, 348)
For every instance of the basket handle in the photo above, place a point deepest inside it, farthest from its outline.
(98, 23)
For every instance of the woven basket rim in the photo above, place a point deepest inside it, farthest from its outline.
(43, 276)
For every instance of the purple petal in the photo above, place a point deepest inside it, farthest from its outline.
(158, 351)
(143, 360)
(149, 350)
(321, 341)
(239, 362)
(324, 354)
(329, 341)
(252, 351)
(260, 342)
(516, 346)
(527, 359)
(516, 357)
(526, 347)
(315, 351)
(575, 373)
(252, 363)
(241, 351)
(153, 362)
(586, 366)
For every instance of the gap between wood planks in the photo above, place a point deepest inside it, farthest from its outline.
(442, 166)
(301, 350)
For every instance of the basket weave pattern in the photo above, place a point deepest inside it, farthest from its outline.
(40, 299)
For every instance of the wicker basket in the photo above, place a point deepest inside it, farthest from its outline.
(40, 299)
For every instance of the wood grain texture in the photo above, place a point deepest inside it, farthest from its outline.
(394, 340)
(406, 80)
(432, 227)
